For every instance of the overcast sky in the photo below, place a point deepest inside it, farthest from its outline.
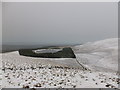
(58, 23)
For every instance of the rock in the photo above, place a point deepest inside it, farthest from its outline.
(38, 85)
(25, 86)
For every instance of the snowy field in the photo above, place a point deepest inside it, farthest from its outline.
(99, 58)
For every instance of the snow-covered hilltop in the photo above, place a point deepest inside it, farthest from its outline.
(99, 55)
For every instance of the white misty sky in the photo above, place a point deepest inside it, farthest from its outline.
(50, 23)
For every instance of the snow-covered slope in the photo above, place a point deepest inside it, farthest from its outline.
(28, 72)
(99, 55)
(0, 71)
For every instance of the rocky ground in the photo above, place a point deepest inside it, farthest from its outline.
(0, 71)
(56, 77)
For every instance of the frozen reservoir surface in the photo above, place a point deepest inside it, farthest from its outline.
(46, 50)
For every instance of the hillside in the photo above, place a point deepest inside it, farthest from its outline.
(99, 55)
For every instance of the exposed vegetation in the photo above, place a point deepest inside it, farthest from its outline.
(64, 53)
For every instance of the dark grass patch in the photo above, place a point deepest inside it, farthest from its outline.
(63, 53)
